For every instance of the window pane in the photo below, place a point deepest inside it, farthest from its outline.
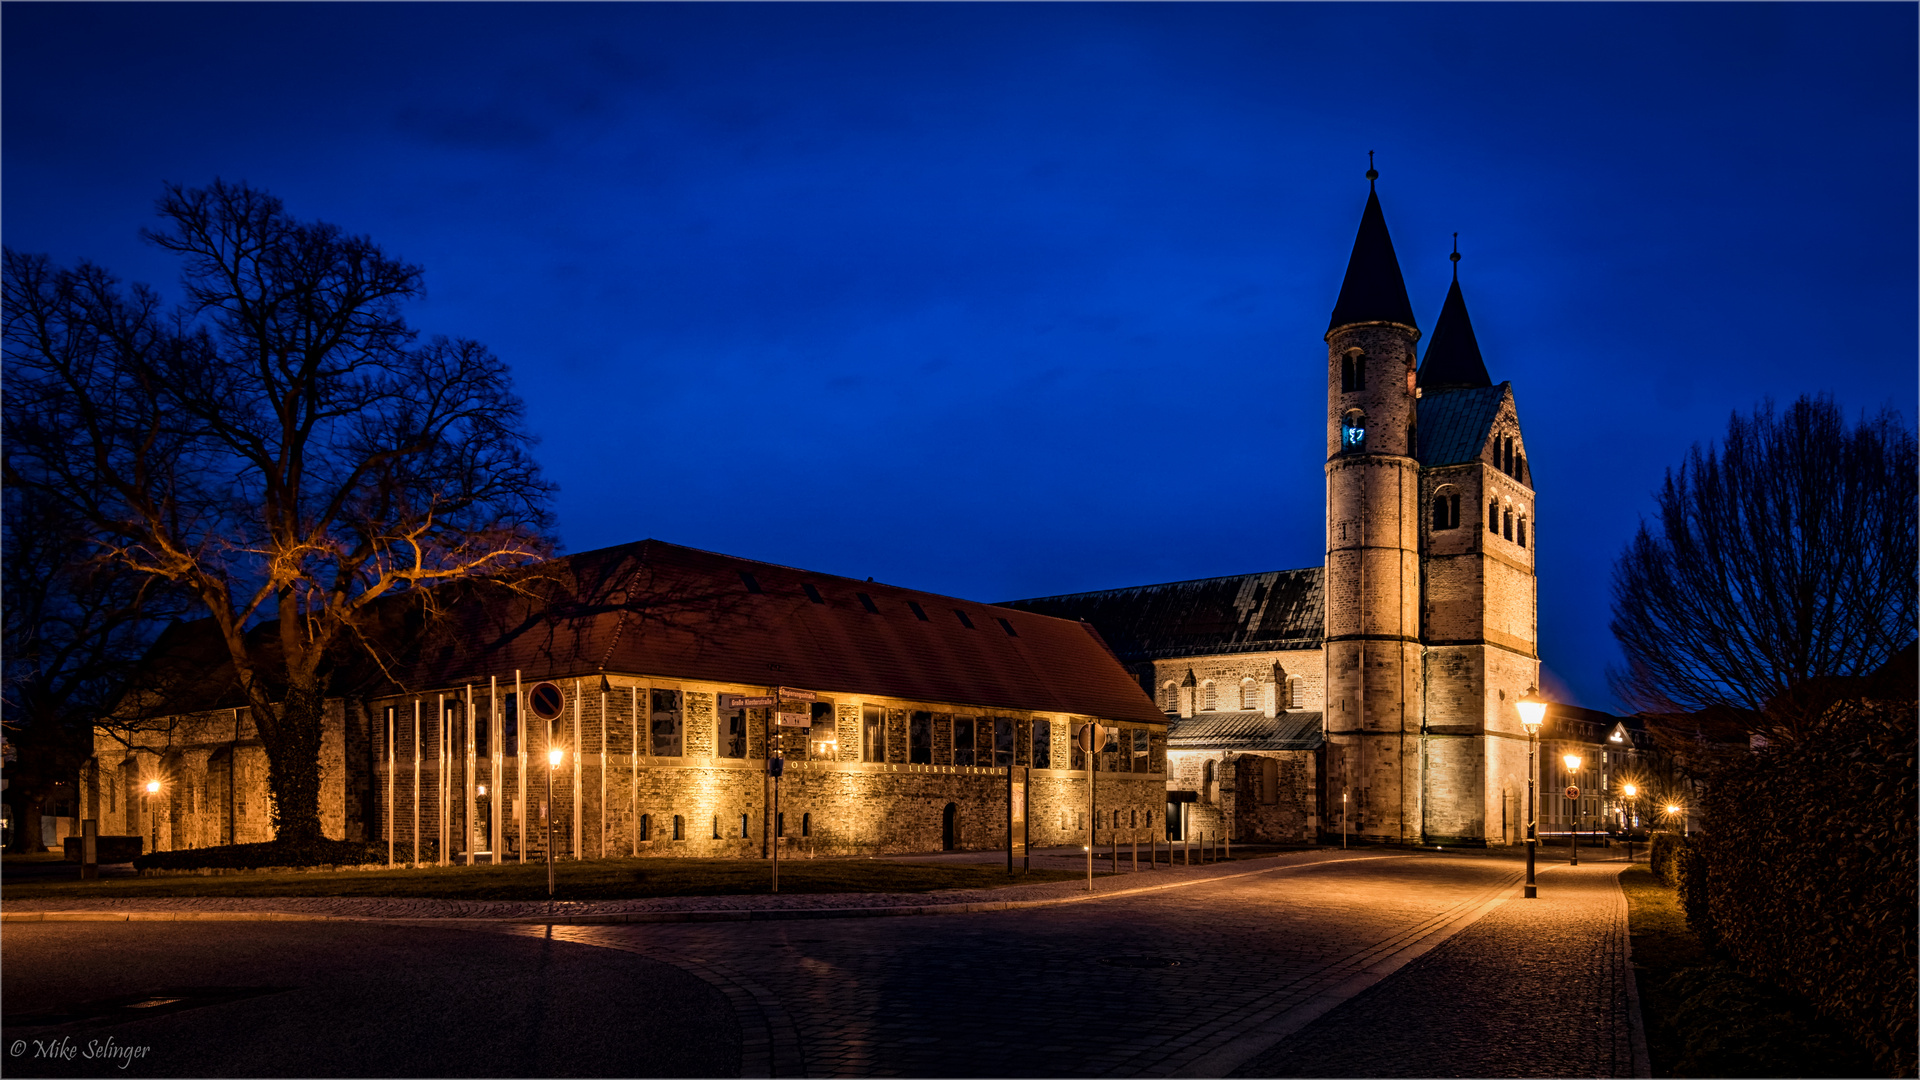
(666, 725)
(733, 734)
(1002, 742)
(825, 735)
(1043, 744)
(920, 739)
(510, 724)
(873, 742)
(963, 740)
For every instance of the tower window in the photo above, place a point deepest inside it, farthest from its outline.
(1521, 535)
(1493, 516)
(1446, 510)
(1520, 467)
(1353, 372)
(1353, 430)
(1509, 523)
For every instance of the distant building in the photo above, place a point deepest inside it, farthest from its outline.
(1380, 686)
(900, 715)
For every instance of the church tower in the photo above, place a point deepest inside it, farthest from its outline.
(1373, 647)
(1479, 609)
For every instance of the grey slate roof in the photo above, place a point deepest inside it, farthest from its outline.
(1279, 609)
(1453, 356)
(1247, 731)
(1373, 290)
(1454, 424)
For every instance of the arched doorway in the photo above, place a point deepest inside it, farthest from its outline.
(950, 827)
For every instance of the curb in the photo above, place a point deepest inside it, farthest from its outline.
(603, 918)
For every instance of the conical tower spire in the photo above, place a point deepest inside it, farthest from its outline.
(1453, 355)
(1373, 291)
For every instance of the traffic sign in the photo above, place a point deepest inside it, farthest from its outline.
(792, 719)
(1573, 792)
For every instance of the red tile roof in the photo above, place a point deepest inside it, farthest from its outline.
(657, 609)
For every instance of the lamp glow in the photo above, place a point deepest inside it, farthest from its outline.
(1672, 809)
(1533, 711)
(554, 756)
(1573, 762)
(1630, 791)
(153, 786)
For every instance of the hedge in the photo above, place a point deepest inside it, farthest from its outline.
(254, 856)
(1805, 875)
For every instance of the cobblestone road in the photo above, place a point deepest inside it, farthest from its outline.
(1194, 980)
(1537, 988)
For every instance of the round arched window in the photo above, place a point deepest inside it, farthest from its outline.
(545, 700)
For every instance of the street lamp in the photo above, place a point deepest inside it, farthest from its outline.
(554, 757)
(1533, 712)
(153, 811)
(1630, 789)
(1573, 794)
(1675, 808)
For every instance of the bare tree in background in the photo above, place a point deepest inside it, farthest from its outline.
(279, 447)
(1782, 558)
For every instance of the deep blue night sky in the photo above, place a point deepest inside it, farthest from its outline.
(1013, 300)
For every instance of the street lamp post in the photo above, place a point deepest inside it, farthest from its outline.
(1629, 789)
(1573, 832)
(553, 762)
(1533, 711)
(153, 811)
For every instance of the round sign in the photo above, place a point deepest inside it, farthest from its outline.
(546, 700)
(1573, 793)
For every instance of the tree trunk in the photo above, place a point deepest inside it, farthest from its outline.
(26, 824)
(292, 743)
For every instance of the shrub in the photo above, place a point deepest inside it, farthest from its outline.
(254, 856)
(1806, 877)
(1663, 859)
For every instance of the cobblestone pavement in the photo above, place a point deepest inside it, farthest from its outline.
(1185, 981)
(1537, 988)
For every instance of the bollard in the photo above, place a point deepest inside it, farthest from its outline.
(89, 849)
(1136, 851)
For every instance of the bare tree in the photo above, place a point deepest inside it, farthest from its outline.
(1782, 559)
(280, 447)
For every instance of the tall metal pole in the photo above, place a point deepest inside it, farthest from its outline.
(470, 818)
(414, 858)
(547, 809)
(603, 767)
(520, 748)
(1093, 740)
(388, 823)
(575, 744)
(633, 769)
(1533, 841)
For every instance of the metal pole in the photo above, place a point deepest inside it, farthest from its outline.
(520, 748)
(633, 769)
(546, 810)
(577, 743)
(467, 825)
(603, 766)
(1533, 838)
(777, 830)
(388, 823)
(1573, 833)
(1093, 738)
(1136, 851)
(414, 859)
(440, 779)
(496, 760)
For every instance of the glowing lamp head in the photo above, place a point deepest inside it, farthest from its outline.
(153, 787)
(1533, 711)
(1672, 809)
(1630, 790)
(482, 789)
(554, 757)
(1573, 762)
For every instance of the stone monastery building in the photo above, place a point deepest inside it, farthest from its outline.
(1374, 694)
(899, 716)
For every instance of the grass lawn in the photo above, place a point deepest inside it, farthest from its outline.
(600, 879)
(1703, 1018)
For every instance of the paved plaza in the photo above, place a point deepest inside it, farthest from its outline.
(1373, 962)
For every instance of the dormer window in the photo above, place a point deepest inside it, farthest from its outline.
(1353, 430)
